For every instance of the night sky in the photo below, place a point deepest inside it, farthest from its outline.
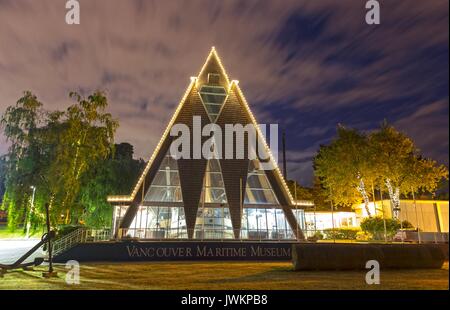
(307, 65)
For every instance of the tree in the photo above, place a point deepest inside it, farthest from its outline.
(299, 192)
(426, 175)
(442, 192)
(386, 158)
(317, 194)
(344, 168)
(115, 175)
(2, 175)
(400, 167)
(85, 137)
(26, 156)
(52, 151)
(320, 196)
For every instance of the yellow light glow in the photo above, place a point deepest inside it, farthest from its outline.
(118, 198)
(304, 203)
(213, 53)
(255, 123)
(155, 152)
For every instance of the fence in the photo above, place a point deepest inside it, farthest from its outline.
(205, 234)
(80, 235)
(356, 235)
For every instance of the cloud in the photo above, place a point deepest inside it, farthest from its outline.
(428, 127)
(305, 64)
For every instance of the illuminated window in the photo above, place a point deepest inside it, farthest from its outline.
(265, 224)
(166, 184)
(213, 97)
(158, 223)
(213, 216)
(213, 190)
(213, 78)
(300, 217)
(213, 223)
(258, 189)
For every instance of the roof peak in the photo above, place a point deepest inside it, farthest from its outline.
(213, 61)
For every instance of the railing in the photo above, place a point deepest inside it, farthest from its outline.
(205, 234)
(356, 235)
(421, 237)
(81, 235)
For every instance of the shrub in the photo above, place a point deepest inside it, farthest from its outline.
(317, 236)
(407, 225)
(363, 236)
(66, 229)
(375, 227)
(341, 233)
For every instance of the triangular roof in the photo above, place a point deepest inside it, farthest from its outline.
(213, 60)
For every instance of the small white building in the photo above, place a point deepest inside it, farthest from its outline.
(427, 215)
(322, 220)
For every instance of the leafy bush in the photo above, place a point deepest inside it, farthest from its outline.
(363, 236)
(407, 225)
(375, 227)
(341, 233)
(317, 236)
(66, 229)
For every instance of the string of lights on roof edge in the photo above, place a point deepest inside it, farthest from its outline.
(156, 151)
(219, 61)
(271, 158)
(213, 52)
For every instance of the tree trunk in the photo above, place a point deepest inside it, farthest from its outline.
(67, 219)
(394, 196)
(374, 199)
(362, 190)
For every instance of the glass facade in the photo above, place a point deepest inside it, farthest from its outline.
(258, 189)
(213, 223)
(213, 216)
(265, 224)
(162, 214)
(158, 223)
(213, 98)
(119, 213)
(166, 184)
(300, 217)
(262, 219)
(213, 190)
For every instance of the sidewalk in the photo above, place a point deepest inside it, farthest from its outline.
(12, 249)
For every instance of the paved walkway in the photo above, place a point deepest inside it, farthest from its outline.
(12, 249)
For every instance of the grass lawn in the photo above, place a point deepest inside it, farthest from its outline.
(221, 276)
(5, 233)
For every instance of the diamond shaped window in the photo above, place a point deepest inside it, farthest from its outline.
(213, 97)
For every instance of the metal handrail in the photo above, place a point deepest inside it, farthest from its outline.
(80, 235)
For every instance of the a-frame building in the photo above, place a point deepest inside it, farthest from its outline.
(208, 199)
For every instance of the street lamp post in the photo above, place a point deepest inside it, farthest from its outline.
(50, 273)
(27, 235)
